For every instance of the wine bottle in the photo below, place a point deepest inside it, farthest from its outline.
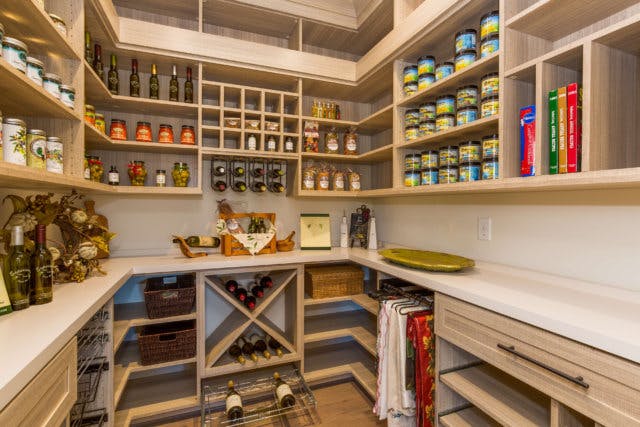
(219, 171)
(259, 187)
(259, 345)
(17, 270)
(188, 88)
(276, 173)
(134, 80)
(88, 53)
(238, 171)
(97, 62)
(240, 186)
(257, 290)
(283, 392)
(114, 176)
(258, 172)
(233, 403)
(112, 77)
(241, 294)
(203, 241)
(154, 83)
(41, 269)
(236, 352)
(250, 302)
(274, 345)
(265, 281)
(220, 186)
(247, 348)
(231, 286)
(276, 187)
(173, 85)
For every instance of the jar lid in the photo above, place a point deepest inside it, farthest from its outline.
(89, 107)
(99, 116)
(187, 127)
(492, 13)
(15, 42)
(429, 152)
(494, 136)
(412, 111)
(443, 97)
(411, 127)
(118, 121)
(448, 167)
(490, 76)
(53, 77)
(466, 52)
(427, 104)
(144, 124)
(35, 61)
(467, 87)
(427, 121)
(410, 68)
(467, 31)
(445, 64)
(56, 18)
(449, 147)
(166, 126)
(54, 139)
(445, 115)
(469, 143)
(491, 98)
(67, 88)
(427, 75)
(181, 164)
(493, 36)
(426, 58)
(161, 171)
(11, 121)
(468, 108)
(37, 132)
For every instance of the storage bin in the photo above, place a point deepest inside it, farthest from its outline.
(169, 295)
(167, 342)
(333, 281)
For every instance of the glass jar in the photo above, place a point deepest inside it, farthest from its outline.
(55, 153)
(445, 104)
(14, 141)
(470, 152)
(467, 96)
(448, 155)
(489, 24)
(429, 176)
(350, 141)
(252, 142)
(489, 45)
(410, 74)
(465, 58)
(427, 127)
(412, 178)
(87, 170)
(466, 115)
(68, 96)
(490, 85)
(469, 172)
(180, 174)
(354, 181)
(429, 159)
(161, 178)
(411, 132)
(490, 106)
(143, 132)
(331, 145)
(426, 65)
(490, 146)
(412, 162)
(445, 121)
(448, 174)
(96, 169)
(412, 117)
(272, 144)
(36, 148)
(426, 80)
(118, 130)
(51, 83)
(15, 53)
(490, 168)
(35, 70)
(90, 114)
(338, 181)
(308, 178)
(100, 123)
(410, 88)
(427, 111)
(188, 135)
(289, 145)
(444, 70)
(165, 134)
(58, 23)
(466, 40)
(137, 173)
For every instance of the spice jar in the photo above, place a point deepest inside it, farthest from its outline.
(331, 145)
(118, 130)
(180, 174)
(354, 181)
(68, 96)
(36, 148)
(272, 144)
(35, 70)
(54, 161)
(309, 178)
(188, 135)
(143, 132)
(322, 180)
(100, 123)
(161, 178)
(137, 172)
(338, 181)
(350, 141)
(165, 134)
(90, 114)
(15, 53)
(51, 83)
(14, 141)
(96, 169)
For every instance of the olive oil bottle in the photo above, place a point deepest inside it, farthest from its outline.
(134, 80)
(41, 269)
(154, 83)
(112, 77)
(188, 87)
(173, 85)
(17, 270)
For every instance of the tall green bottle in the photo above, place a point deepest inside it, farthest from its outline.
(113, 79)
(154, 83)
(17, 270)
(41, 269)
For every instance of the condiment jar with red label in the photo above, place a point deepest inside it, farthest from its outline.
(165, 134)
(143, 132)
(188, 135)
(118, 130)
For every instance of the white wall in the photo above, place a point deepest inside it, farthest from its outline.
(590, 235)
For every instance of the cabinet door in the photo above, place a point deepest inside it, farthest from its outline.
(48, 398)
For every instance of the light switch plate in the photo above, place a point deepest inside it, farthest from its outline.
(484, 228)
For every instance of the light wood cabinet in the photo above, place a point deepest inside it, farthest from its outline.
(48, 398)
(603, 387)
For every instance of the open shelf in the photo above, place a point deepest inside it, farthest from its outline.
(22, 97)
(33, 26)
(357, 324)
(475, 129)
(502, 397)
(363, 300)
(226, 366)
(381, 154)
(447, 86)
(215, 152)
(328, 123)
(469, 417)
(376, 122)
(24, 177)
(96, 140)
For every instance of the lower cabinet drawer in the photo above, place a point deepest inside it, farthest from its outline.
(48, 398)
(603, 387)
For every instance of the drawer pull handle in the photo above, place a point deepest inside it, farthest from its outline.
(576, 380)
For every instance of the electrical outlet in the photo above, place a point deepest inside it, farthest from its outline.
(484, 228)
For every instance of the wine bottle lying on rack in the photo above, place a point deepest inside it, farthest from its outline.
(236, 352)
(247, 348)
(283, 392)
(241, 294)
(274, 345)
(250, 302)
(257, 290)
(231, 286)
(233, 403)
(265, 281)
(259, 345)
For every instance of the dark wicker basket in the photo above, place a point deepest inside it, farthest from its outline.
(167, 342)
(170, 296)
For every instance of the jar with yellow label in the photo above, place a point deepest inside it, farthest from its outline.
(338, 181)
(412, 178)
(470, 152)
(448, 155)
(180, 174)
(448, 174)
(490, 106)
(490, 146)
(445, 121)
(308, 178)
(100, 123)
(411, 132)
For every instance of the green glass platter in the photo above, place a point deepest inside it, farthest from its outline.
(426, 260)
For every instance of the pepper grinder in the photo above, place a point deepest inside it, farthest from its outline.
(373, 237)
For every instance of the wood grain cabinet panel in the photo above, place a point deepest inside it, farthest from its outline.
(609, 392)
(48, 398)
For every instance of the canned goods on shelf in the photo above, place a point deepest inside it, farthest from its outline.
(118, 130)
(465, 58)
(429, 176)
(410, 88)
(445, 104)
(448, 155)
(412, 162)
(35, 70)
(429, 159)
(448, 174)
(411, 132)
(467, 96)
(426, 80)
(188, 137)
(51, 83)
(469, 171)
(412, 117)
(55, 160)
(489, 24)
(466, 40)
(466, 115)
(412, 178)
(165, 134)
(427, 127)
(445, 121)
(490, 168)
(490, 106)
(143, 132)
(428, 111)
(489, 45)
(444, 70)
(410, 74)
(489, 85)
(426, 65)
(490, 146)
(470, 151)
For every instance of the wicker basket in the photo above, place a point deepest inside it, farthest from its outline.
(333, 281)
(170, 296)
(167, 342)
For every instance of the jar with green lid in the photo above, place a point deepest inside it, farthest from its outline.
(35, 70)
(180, 174)
(36, 148)
(51, 83)
(137, 172)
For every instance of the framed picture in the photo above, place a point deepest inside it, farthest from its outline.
(315, 231)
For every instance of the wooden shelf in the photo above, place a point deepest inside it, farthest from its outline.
(96, 140)
(224, 335)
(363, 300)
(127, 316)
(99, 96)
(476, 130)
(376, 122)
(22, 97)
(331, 194)
(127, 416)
(470, 417)
(447, 86)
(327, 123)
(27, 22)
(547, 19)
(359, 325)
(208, 152)
(503, 398)
(226, 366)
(381, 154)
(24, 177)
(172, 191)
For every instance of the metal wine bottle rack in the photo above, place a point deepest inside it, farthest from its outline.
(89, 410)
(269, 166)
(260, 402)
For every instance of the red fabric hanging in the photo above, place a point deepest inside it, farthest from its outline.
(420, 334)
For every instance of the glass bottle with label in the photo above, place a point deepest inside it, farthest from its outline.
(331, 142)
(173, 85)
(259, 187)
(259, 345)
(188, 88)
(283, 392)
(289, 145)
(233, 403)
(161, 178)
(17, 270)
(134, 80)
(272, 144)
(154, 83)
(112, 77)
(351, 142)
(252, 142)
(41, 269)
(97, 62)
(114, 176)
(219, 170)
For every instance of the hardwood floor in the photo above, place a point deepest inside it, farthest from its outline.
(341, 404)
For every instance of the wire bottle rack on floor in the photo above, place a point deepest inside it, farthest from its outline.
(260, 402)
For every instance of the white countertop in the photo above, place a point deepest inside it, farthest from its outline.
(603, 317)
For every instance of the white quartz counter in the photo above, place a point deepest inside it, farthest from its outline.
(603, 317)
